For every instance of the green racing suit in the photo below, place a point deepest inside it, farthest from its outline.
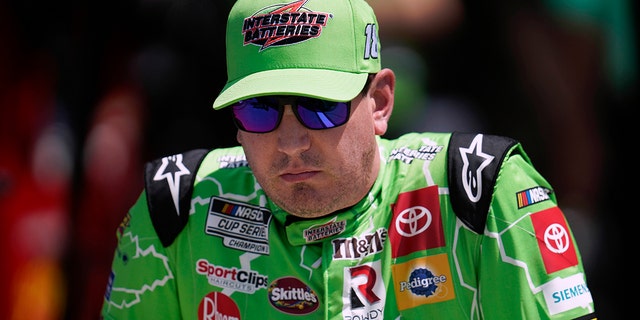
(456, 226)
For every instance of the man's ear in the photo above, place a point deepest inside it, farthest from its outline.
(238, 136)
(382, 91)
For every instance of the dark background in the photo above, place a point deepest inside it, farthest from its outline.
(90, 90)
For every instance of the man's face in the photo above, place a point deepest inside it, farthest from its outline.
(312, 173)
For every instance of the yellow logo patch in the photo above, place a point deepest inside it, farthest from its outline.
(423, 280)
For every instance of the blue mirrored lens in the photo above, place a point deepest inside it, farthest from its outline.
(258, 115)
(321, 114)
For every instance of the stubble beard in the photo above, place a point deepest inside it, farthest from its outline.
(351, 185)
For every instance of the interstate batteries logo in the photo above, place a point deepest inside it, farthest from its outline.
(240, 225)
(280, 25)
(323, 231)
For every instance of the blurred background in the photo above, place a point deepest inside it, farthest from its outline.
(91, 90)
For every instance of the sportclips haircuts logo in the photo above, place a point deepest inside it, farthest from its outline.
(288, 24)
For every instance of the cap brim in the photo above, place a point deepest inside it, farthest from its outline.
(315, 83)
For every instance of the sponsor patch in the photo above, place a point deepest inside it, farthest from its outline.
(416, 224)
(329, 229)
(230, 161)
(292, 296)
(360, 246)
(407, 155)
(474, 162)
(554, 240)
(247, 281)
(422, 281)
(566, 294)
(363, 293)
(241, 226)
(285, 25)
(217, 305)
(531, 196)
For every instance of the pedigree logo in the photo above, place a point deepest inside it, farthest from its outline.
(422, 281)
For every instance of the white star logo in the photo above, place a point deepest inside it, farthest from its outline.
(172, 175)
(474, 162)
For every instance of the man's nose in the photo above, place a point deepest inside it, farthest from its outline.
(293, 137)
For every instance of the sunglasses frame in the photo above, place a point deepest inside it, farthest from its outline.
(295, 106)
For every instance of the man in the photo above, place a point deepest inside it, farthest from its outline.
(316, 215)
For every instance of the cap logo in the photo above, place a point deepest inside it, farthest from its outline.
(287, 24)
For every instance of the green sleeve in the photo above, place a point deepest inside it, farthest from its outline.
(142, 283)
(530, 266)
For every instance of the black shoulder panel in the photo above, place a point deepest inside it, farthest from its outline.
(169, 184)
(474, 162)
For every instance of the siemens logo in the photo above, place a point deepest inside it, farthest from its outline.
(562, 294)
(570, 293)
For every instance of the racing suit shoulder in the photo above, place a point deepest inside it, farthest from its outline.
(528, 244)
(474, 162)
(169, 183)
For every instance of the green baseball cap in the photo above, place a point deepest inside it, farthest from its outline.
(316, 48)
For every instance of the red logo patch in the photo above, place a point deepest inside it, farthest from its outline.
(554, 240)
(217, 305)
(416, 223)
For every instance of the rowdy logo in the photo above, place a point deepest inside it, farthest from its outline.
(364, 292)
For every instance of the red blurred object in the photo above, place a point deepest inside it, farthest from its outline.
(111, 163)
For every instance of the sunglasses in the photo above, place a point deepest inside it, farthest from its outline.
(263, 114)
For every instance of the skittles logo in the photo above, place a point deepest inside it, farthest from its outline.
(292, 296)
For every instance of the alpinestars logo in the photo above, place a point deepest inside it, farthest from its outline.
(475, 160)
(171, 170)
(287, 24)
